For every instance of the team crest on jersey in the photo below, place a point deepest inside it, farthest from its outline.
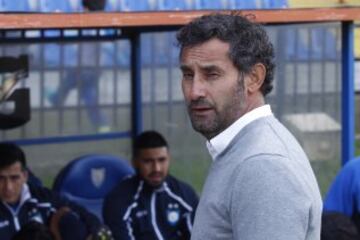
(173, 213)
(98, 176)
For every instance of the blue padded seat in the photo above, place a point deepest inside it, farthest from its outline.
(55, 6)
(274, 4)
(138, 5)
(87, 179)
(205, 4)
(173, 5)
(14, 6)
(243, 4)
(112, 5)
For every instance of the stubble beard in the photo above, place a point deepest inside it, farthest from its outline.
(208, 127)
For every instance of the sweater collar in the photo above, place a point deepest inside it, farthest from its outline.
(217, 144)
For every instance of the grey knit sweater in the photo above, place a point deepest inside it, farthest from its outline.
(260, 187)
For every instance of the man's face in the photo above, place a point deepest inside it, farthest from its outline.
(153, 164)
(12, 179)
(213, 87)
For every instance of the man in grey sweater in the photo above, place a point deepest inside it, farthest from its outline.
(260, 184)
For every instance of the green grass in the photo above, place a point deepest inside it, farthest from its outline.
(48, 181)
(193, 174)
(357, 148)
(325, 172)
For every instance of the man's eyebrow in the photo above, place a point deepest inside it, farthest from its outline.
(209, 68)
(203, 68)
(185, 68)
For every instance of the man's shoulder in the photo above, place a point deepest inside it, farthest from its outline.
(175, 182)
(179, 185)
(264, 136)
(125, 187)
(41, 193)
(121, 196)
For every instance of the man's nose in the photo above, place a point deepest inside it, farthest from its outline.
(8, 185)
(197, 88)
(157, 167)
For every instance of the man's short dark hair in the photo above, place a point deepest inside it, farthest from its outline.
(10, 153)
(148, 139)
(94, 5)
(249, 43)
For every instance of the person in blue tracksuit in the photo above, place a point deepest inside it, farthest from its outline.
(344, 193)
(84, 78)
(152, 204)
(22, 202)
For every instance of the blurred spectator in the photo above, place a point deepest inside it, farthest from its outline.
(85, 77)
(344, 193)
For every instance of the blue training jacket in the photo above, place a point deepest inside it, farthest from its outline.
(39, 204)
(135, 210)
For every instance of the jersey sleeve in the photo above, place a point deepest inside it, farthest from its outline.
(92, 223)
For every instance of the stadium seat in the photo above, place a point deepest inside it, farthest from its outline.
(87, 179)
(138, 5)
(173, 5)
(14, 6)
(243, 4)
(33, 5)
(75, 5)
(112, 6)
(55, 6)
(274, 4)
(204, 4)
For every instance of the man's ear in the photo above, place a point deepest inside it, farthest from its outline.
(255, 78)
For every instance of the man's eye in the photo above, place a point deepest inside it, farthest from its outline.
(146, 161)
(212, 75)
(14, 178)
(161, 159)
(188, 76)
